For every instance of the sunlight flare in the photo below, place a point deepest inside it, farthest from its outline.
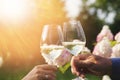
(14, 9)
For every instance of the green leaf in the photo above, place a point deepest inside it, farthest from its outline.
(113, 43)
(64, 68)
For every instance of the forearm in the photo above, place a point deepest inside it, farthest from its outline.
(115, 74)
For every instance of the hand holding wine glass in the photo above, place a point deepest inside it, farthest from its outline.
(90, 63)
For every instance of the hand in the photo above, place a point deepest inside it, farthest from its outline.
(42, 72)
(90, 64)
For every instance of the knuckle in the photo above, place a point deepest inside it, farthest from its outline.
(37, 67)
(37, 76)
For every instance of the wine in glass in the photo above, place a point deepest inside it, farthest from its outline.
(51, 45)
(74, 38)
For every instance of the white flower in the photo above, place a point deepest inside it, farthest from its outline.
(117, 37)
(116, 51)
(105, 32)
(103, 48)
(106, 77)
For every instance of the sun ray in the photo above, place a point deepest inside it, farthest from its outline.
(15, 10)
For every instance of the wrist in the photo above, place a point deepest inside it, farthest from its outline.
(109, 71)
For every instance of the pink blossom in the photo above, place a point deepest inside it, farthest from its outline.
(64, 58)
(105, 32)
(117, 37)
(103, 48)
(58, 57)
(116, 51)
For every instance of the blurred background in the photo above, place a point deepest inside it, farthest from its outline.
(21, 23)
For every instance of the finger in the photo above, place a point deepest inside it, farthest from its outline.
(82, 75)
(80, 57)
(75, 58)
(47, 67)
(48, 72)
(83, 56)
(80, 67)
(74, 66)
(75, 72)
(53, 74)
(50, 77)
(77, 63)
(45, 77)
(83, 64)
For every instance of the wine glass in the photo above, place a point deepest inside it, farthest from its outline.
(74, 38)
(51, 43)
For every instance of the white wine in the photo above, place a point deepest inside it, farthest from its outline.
(55, 55)
(51, 52)
(46, 49)
(74, 47)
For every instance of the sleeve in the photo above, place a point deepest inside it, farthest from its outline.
(115, 69)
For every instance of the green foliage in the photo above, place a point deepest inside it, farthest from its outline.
(12, 74)
(113, 43)
(92, 24)
(64, 68)
(65, 76)
(18, 74)
(69, 76)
